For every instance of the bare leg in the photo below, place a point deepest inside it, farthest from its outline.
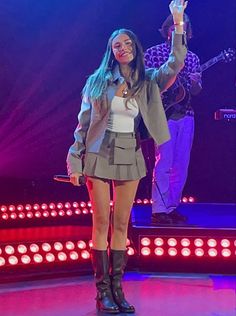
(99, 192)
(124, 194)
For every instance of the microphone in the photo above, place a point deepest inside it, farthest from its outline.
(65, 178)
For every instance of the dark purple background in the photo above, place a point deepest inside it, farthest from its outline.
(48, 48)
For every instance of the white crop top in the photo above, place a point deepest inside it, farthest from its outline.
(121, 118)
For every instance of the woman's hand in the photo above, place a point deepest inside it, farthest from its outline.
(177, 8)
(74, 178)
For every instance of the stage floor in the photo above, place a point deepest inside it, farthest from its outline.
(152, 294)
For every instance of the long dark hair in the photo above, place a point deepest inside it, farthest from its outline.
(98, 82)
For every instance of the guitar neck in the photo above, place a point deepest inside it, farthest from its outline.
(210, 63)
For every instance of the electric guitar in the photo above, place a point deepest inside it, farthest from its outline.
(177, 94)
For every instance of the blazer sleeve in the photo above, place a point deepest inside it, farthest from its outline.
(77, 150)
(166, 74)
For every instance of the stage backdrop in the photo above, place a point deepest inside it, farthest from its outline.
(49, 47)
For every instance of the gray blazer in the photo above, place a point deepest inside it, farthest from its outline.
(92, 120)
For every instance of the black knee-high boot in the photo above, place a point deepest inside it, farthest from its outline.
(105, 301)
(118, 260)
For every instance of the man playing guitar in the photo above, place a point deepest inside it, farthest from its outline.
(172, 158)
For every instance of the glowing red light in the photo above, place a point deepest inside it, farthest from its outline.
(145, 251)
(191, 199)
(21, 215)
(5, 216)
(138, 201)
(69, 212)
(28, 207)
(85, 254)
(29, 214)
(46, 247)
(77, 211)
(198, 242)
(9, 250)
(2, 261)
(211, 242)
(145, 241)
(185, 242)
(60, 206)
(3, 208)
(225, 243)
(172, 252)
(186, 252)
(11, 208)
(38, 214)
(25, 259)
(85, 211)
(67, 205)
(199, 252)
(83, 204)
(20, 207)
(58, 246)
(50, 257)
(90, 244)
(81, 244)
(145, 201)
(13, 260)
(75, 204)
(22, 249)
(36, 207)
(52, 206)
(130, 251)
(159, 251)
(89, 204)
(74, 255)
(45, 213)
(226, 252)
(185, 199)
(158, 241)
(44, 206)
(62, 256)
(127, 242)
(53, 213)
(70, 245)
(34, 248)
(172, 242)
(38, 258)
(61, 213)
(13, 215)
(212, 252)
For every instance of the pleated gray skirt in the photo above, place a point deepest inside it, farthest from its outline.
(120, 158)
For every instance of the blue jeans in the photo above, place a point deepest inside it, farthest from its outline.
(171, 166)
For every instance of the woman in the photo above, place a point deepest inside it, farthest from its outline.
(116, 98)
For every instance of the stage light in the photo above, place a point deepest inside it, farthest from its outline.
(172, 242)
(29, 215)
(199, 252)
(81, 244)
(127, 242)
(2, 262)
(11, 208)
(69, 212)
(45, 213)
(145, 241)
(74, 255)
(158, 241)
(145, 201)
(89, 203)
(138, 201)
(52, 206)
(5, 216)
(211, 242)
(13, 260)
(212, 252)
(34, 248)
(44, 206)
(85, 254)
(9, 250)
(70, 245)
(36, 207)
(85, 211)
(77, 211)
(67, 205)
(62, 256)
(90, 244)
(225, 243)
(25, 259)
(186, 252)
(53, 213)
(60, 206)
(58, 246)
(159, 251)
(191, 199)
(145, 251)
(50, 257)
(61, 213)
(226, 253)
(21, 215)
(75, 204)
(3, 208)
(38, 258)
(13, 215)
(20, 207)
(46, 247)
(38, 214)
(21, 249)
(28, 207)
(185, 242)
(130, 251)
(172, 252)
(185, 199)
(198, 242)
